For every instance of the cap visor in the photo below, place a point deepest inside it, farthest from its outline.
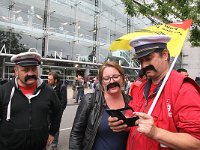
(142, 54)
(28, 63)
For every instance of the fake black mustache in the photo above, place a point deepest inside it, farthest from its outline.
(111, 85)
(147, 68)
(30, 77)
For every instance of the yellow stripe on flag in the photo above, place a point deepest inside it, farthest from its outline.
(177, 32)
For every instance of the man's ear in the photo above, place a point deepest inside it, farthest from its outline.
(165, 54)
(16, 70)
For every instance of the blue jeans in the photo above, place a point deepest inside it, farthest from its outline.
(80, 94)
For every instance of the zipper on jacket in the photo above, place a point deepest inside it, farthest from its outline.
(30, 114)
(30, 109)
(30, 120)
(146, 102)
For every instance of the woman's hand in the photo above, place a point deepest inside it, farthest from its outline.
(117, 125)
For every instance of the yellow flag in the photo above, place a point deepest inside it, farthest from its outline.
(177, 32)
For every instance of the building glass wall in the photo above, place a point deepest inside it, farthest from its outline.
(71, 29)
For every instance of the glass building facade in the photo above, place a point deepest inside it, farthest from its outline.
(71, 35)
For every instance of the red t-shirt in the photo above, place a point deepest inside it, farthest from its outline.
(152, 88)
(28, 90)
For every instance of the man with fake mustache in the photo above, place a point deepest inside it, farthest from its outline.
(25, 106)
(174, 122)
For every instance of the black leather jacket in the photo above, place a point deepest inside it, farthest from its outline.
(87, 120)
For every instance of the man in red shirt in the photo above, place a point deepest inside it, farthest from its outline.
(175, 120)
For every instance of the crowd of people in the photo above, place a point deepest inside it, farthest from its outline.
(166, 111)
(80, 84)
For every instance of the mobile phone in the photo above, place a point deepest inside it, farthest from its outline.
(125, 114)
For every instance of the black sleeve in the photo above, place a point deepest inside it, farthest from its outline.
(80, 124)
(1, 99)
(63, 92)
(56, 114)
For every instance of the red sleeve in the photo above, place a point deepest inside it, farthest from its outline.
(187, 110)
(131, 89)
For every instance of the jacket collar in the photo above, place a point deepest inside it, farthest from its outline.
(148, 86)
(40, 83)
(126, 97)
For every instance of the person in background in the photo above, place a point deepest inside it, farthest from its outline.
(96, 86)
(80, 88)
(90, 130)
(11, 76)
(3, 81)
(134, 86)
(175, 120)
(61, 91)
(127, 84)
(25, 105)
(74, 88)
(183, 72)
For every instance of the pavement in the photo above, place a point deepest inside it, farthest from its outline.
(67, 120)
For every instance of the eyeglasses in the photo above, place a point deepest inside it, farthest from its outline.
(115, 77)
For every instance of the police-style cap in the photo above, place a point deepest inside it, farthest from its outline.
(27, 59)
(147, 44)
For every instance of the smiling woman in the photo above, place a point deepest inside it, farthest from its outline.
(90, 129)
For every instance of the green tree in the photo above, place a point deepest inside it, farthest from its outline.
(168, 10)
(12, 42)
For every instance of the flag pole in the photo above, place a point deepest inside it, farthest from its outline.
(162, 86)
